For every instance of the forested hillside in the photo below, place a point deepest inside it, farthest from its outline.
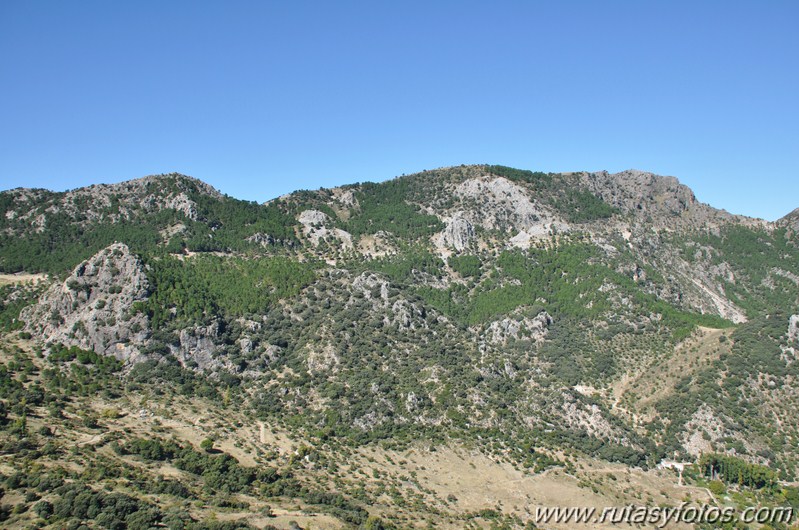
(541, 319)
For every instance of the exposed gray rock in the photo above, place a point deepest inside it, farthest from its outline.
(245, 345)
(791, 220)
(786, 274)
(265, 240)
(537, 232)
(412, 402)
(313, 222)
(373, 287)
(500, 204)
(458, 233)
(535, 329)
(640, 191)
(182, 204)
(199, 345)
(406, 315)
(93, 307)
(312, 217)
(696, 283)
(345, 197)
(793, 328)
(639, 275)
(660, 200)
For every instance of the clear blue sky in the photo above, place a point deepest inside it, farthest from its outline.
(262, 98)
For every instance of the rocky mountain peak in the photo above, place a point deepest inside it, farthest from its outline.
(35, 208)
(168, 182)
(640, 191)
(791, 220)
(165, 183)
(93, 307)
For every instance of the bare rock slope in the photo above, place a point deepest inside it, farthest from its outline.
(94, 307)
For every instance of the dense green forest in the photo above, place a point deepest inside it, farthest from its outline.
(737, 471)
(383, 207)
(756, 254)
(567, 279)
(207, 287)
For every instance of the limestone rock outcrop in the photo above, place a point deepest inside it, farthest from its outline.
(94, 308)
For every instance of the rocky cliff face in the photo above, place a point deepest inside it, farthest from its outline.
(94, 307)
(458, 234)
(641, 192)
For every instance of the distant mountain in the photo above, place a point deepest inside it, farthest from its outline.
(612, 315)
(51, 232)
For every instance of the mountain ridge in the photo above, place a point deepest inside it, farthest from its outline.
(538, 317)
